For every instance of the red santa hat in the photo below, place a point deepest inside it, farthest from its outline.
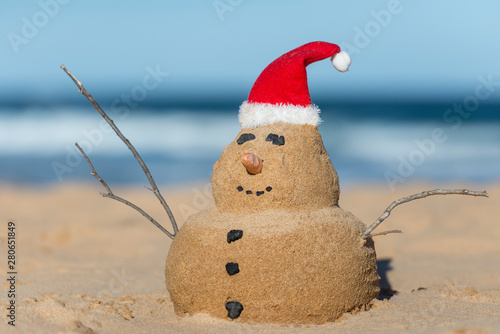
(280, 93)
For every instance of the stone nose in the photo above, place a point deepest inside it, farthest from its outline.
(252, 163)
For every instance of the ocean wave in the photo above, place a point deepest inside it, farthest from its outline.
(176, 134)
(180, 139)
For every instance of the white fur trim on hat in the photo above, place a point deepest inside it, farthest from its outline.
(252, 115)
(341, 61)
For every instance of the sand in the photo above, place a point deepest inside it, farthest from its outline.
(87, 264)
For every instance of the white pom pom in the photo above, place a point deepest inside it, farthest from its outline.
(341, 61)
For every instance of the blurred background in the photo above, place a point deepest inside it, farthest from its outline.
(419, 102)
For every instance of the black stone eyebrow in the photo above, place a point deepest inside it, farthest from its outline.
(245, 137)
(277, 140)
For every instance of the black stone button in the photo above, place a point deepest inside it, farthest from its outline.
(234, 309)
(240, 188)
(260, 193)
(269, 188)
(232, 268)
(234, 235)
(249, 192)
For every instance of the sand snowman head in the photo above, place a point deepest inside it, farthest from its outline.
(278, 159)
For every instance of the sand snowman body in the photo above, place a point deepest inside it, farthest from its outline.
(277, 244)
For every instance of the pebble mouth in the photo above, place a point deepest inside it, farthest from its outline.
(258, 193)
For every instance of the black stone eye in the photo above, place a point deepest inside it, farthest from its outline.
(277, 140)
(245, 137)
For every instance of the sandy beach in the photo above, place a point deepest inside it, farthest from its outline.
(87, 264)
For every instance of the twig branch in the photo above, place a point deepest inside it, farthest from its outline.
(94, 173)
(110, 194)
(385, 233)
(423, 194)
(145, 169)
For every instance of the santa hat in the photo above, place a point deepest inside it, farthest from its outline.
(280, 93)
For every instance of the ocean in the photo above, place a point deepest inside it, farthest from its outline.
(377, 142)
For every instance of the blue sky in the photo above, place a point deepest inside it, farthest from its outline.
(400, 49)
